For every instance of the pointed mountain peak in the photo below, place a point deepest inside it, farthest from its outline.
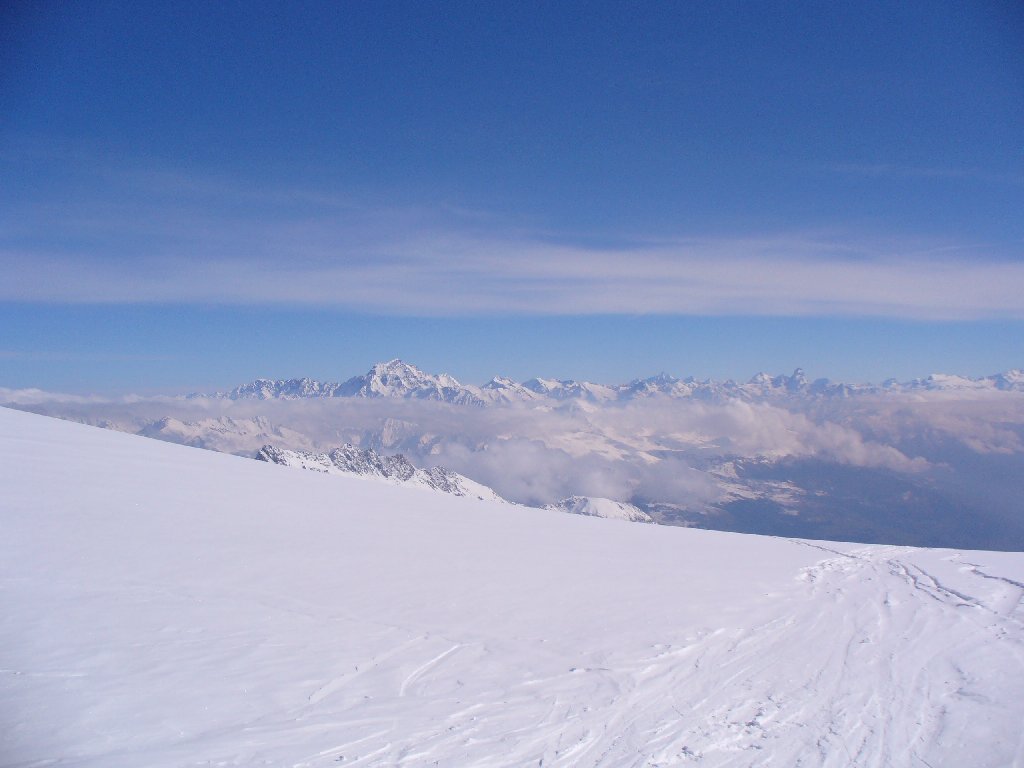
(396, 378)
(394, 366)
(500, 382)
(659, 379)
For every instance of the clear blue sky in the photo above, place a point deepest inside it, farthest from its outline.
(193, 194)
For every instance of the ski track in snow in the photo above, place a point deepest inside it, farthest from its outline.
(871, 656)
(715, 700)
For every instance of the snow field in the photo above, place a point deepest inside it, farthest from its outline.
(166, 606)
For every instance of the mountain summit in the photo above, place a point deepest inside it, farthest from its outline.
(398, 379)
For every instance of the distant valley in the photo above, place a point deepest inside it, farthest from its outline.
(936, 461)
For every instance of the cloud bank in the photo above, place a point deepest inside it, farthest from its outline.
(919, 468)
(654, 450)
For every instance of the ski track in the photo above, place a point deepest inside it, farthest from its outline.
(880, 679)
(880, 661)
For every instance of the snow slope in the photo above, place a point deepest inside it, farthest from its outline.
(166, 606)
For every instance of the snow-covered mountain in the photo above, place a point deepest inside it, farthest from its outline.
(396, 469)
(391, 379)
(396, 379)
(1008, 381)
(165, 606)
(281, 389)
(570, 389)
(591, 506)
(502, 389)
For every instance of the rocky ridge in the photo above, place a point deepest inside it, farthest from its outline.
(396, 469)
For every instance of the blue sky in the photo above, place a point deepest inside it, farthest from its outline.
(201, 193)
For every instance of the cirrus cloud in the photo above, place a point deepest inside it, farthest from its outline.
(152, 236)
(452, 275)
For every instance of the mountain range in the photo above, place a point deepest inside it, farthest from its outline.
(398, 379)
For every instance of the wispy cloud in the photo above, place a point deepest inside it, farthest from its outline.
(891, 170)
(459, 275)
(168, 238)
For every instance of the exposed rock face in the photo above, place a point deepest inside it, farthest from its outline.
(349, 460)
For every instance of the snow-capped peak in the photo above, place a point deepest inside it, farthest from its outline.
(502, 389)
(592, 506)
(399, 379)
(1012, 379)
(501, 382)
(570, 388)
(661, 384)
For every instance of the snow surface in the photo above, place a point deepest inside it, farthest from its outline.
(166, 606)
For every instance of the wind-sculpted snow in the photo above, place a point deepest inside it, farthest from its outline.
(165, 606)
